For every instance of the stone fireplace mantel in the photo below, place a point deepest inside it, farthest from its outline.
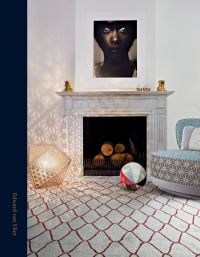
(77, 105)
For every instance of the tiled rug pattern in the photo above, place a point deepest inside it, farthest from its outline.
(96, 216)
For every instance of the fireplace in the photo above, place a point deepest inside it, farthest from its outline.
(80, 107)
(125, 135)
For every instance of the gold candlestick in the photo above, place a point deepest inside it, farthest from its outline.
(68, 86)
(161, 85)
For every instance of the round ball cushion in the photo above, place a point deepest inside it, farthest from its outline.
(131, 174)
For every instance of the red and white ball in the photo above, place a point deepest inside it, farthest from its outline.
(131, 174)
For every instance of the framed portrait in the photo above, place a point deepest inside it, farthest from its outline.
(110, 52)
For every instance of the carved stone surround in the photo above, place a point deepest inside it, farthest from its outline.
(77, 105)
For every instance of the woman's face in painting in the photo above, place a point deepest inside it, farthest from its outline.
(115, 38)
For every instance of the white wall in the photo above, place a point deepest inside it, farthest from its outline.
(172, 54)
(178, 58)
(50, 62)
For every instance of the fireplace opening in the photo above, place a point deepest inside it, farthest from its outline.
(111, 142)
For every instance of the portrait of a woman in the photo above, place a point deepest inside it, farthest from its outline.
(115, 38)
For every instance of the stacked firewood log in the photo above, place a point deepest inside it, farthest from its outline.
(115, 153)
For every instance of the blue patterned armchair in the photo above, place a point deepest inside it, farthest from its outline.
(178, 171)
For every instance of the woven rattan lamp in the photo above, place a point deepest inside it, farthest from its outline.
(47, 165)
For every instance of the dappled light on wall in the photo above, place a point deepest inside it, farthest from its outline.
(47, 66)
(46, 126)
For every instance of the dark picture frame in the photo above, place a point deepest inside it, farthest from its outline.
(115, 48)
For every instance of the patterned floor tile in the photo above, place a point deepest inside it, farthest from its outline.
(179, 224)
(67, 216)
(138, 216)
(60, 231)
(100, 242)
(32, 221)
(115, 232)
(125, 210)
(67, 197)
(52, 249)
(184, 216)
(128, 224)
(54, 203)
(29, 213)
(131, 242)
(70, 242)
(76, 223)
(32, 255)
(134, 204)
(194, 231)
(114, 216)
(81, 210)
(73, 204)
(161, 243)
(85, 198)
(39, 209)
(115, 249)
(194, 204)
(81, 250)
(143, 233)
(175, 204)
(124, 199)
(148, 250)
(46, 215)
(102, 223)
(87, 231)
(179, 250)
(155, 204)
(103, 210)
(147, 210)
(143, 199)
(180, 199)
(93, 204)
(39, 242)
(104, 199)
(60, 209)
(98, 217)
(163, 217)
(153, 224)
(114, 204)
(161, 199)
(197, 221)
(35, 230)
(190, 210)
(91, 216)
(171, 233)
(52, 223)
(36, 202)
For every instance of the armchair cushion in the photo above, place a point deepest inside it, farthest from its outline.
(186, 155)
(194, 122)
(194, 143)
(187, 132)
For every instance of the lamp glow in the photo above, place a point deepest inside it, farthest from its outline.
(47, 162)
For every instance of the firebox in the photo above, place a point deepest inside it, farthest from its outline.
(111, 142)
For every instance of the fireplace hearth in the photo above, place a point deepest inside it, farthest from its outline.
(79, 106)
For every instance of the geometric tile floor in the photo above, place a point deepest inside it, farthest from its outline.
(96, 216)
